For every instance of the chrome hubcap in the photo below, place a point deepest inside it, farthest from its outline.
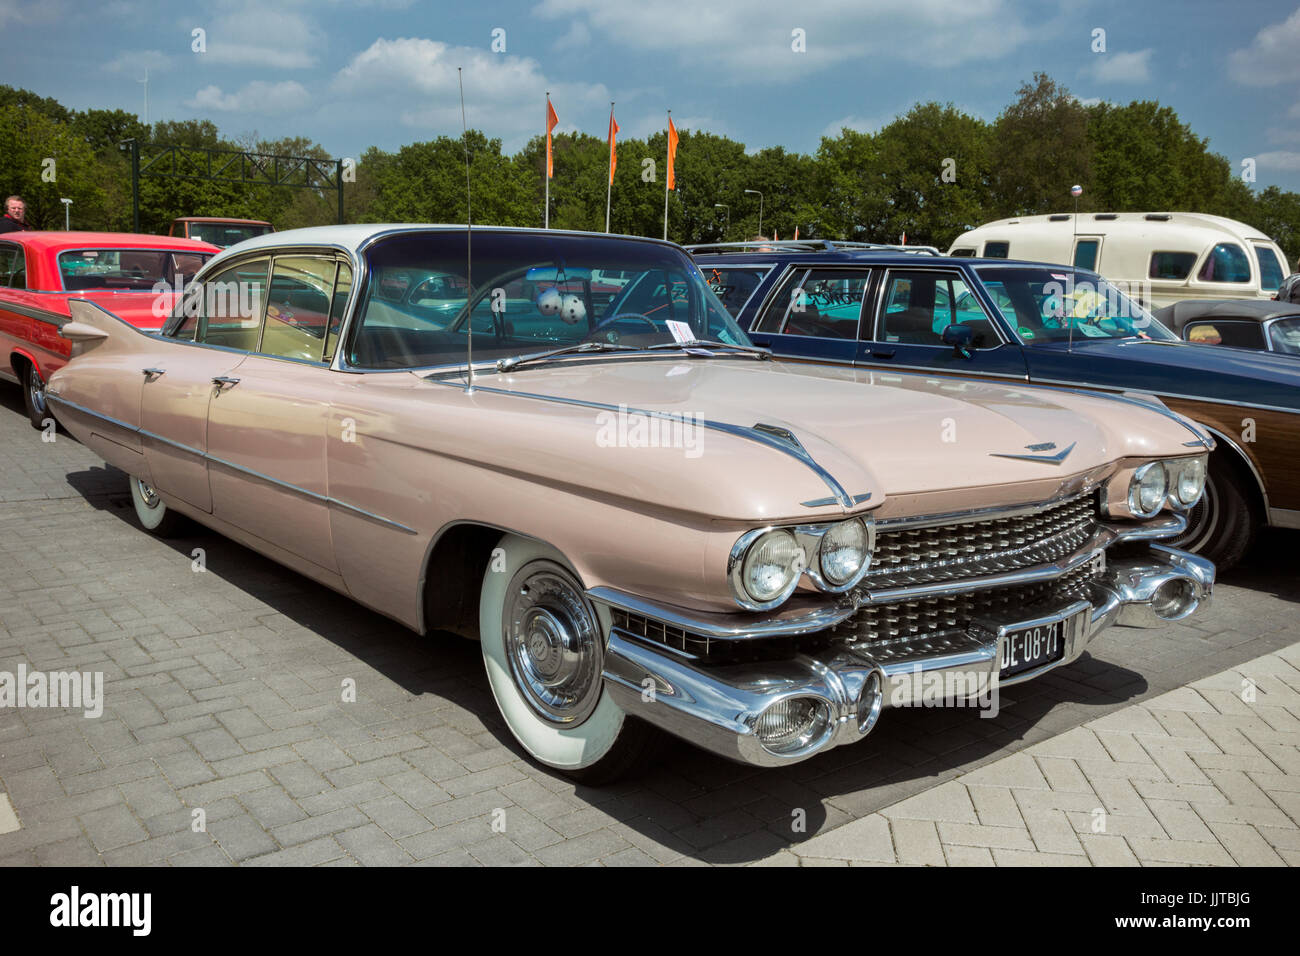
(151, 499)
(36, 388)
(553, 643)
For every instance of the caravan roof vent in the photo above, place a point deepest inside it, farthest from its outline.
(1158, 217)
(1059, 217)
(1105, 216)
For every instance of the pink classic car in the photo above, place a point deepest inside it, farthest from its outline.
(648, 523)
(41, 271)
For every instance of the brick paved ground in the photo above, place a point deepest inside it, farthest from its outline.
(223, 694)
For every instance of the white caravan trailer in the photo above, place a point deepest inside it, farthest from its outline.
(1161, 256)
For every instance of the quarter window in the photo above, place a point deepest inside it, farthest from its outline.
(342, 289)
(1226, 262)
(1175, 266)
(733, 285)
(229, 305)
(1284, 334)
(1232, 334)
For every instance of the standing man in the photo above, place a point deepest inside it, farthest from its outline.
(14, 219)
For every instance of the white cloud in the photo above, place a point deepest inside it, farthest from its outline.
(1280, 161)
(256, 97)
(750, 40)
(504, 94)
(579, 36)
(1271, 57)
(135, 62)
(1122, 67)
(253, 34)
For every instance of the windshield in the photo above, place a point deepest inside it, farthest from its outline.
(225, 234)
(531, 292)
(129, 270)
(1054, 304)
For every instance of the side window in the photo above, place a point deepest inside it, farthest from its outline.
(1226, 262)
(1270, 270)
(1085, 254)
(962, 252)
(918, 306)
(827, 304)
(1171, 265)
(1285, 336)
(733, 285)
(230, 306)
(997, 250)
(773, 317)
(1233, 334)
(342, 289)
(6, 263)
(298, 307)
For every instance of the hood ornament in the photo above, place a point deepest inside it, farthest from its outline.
(1046, 446)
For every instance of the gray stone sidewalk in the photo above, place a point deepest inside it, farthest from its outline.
(1207, 774)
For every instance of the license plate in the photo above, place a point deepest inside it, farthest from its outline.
(1025, 648)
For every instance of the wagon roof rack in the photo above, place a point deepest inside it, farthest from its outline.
(807, 245)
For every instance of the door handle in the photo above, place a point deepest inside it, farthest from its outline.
(224, 380)
(151, 372)
(883, 353)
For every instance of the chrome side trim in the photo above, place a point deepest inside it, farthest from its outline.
(827, 502)
(40, 315)
(1284, 518)
(212, 459)
(842, 497)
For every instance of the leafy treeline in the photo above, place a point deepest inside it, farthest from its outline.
(930, 174)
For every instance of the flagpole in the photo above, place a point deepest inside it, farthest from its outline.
(546, 173)
(669, 155)
(609, 186)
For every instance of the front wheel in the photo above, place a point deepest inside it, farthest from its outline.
(1221, 526)
(34, 396)
(543, 648)
(155, 517)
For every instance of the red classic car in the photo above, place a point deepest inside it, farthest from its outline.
(134, 277)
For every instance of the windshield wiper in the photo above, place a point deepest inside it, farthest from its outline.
(711, 344)
(506, 364)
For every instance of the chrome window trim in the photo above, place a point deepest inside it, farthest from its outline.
(973, 288)
(868, 292)
(261, 333)
(213, 459)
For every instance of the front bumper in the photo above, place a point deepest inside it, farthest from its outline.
(721, 707)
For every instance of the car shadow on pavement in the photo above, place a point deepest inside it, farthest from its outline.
(689, 802)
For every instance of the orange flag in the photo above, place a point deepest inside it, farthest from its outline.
(613, 156)
(672, 154)
(551, 120)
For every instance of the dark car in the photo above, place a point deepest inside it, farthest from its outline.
(1046, 325)
(1247, 324)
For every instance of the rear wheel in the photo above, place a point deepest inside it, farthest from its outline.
(543, 648)
(1222, 525)
(155, 517)
(34, 396)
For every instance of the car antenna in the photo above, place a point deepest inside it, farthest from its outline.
(469, 230)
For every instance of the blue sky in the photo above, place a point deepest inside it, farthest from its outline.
(383, 72)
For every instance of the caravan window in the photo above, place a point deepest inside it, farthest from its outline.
(1270, 270)
(1085, 254)
(1226, 262)
(997, 250)
(1171, 265)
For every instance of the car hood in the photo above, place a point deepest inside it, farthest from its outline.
(1207, 372)
(781, 439)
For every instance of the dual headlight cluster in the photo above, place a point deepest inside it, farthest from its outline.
(766, 564)
(1177, 483)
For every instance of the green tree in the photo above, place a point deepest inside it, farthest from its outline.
(1042, 149)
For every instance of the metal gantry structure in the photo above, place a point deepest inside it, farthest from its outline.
(204, 164)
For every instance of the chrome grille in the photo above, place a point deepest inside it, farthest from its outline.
(922, 555)
(906, 620)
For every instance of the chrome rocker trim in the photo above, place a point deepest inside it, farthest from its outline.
(718, 708)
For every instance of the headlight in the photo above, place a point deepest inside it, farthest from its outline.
(765, 568)
(1147, 489)
(1186, 481)
(844, 552)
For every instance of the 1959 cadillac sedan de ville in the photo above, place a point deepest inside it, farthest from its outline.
(646, 521)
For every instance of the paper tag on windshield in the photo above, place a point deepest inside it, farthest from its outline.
(680, 330)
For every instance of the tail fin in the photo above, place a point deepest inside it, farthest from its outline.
(94, 327)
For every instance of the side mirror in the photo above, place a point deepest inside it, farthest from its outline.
(960, 337)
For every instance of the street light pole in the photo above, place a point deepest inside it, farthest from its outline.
(67, 217)
(727, 227)
(760, 211)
